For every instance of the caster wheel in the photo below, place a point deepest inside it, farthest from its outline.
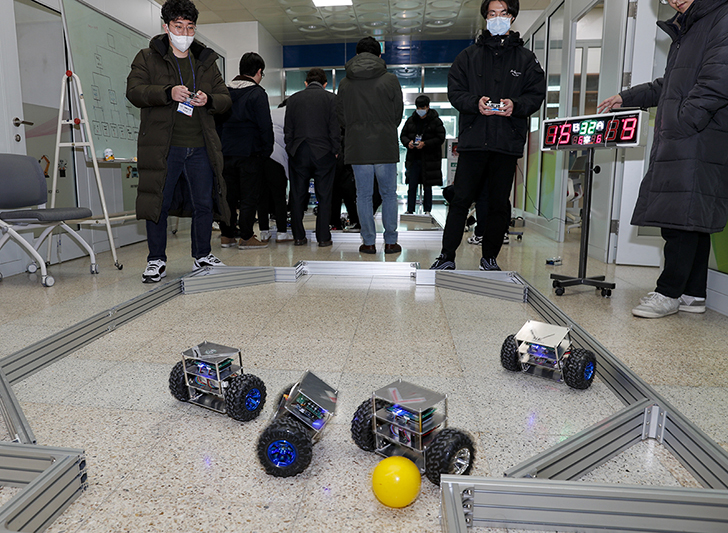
(555, 284)
(48, 281)
(519, 237)
(94, 268)
(118, 265)
(32, 268)
(606, 293)
(559, 291)
(1, 277)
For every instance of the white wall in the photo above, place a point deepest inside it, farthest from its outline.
(238, 38)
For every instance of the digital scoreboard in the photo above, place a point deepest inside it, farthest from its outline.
(619, 129)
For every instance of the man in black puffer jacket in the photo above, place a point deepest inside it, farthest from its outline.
(423, 135)
(685, 189)
(496, 84)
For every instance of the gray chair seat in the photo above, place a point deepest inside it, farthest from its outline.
(55, 214)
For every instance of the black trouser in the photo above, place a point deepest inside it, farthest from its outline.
(303, 167)
(344, 190)
(243, 176)
(273, 195)
(686, 263)
(489, 174)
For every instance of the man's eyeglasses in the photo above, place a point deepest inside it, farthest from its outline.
(182, 29)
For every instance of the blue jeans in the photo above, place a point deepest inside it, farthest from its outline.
(386, 175)
(194, 165)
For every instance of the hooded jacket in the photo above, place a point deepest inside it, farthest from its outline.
(499, 67)
(369, 107)
(153, 73)
(247, 129)
(433, 135)
(686, 184)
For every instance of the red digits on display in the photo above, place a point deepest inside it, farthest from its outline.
(628, 129)
(598, 139)
(565, 135)
(612, 126)
(551, 134)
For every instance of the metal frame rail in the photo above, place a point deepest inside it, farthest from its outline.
(582, 507)
(519, 503)
(53, 478)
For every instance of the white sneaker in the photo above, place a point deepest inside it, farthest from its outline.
(506, 239)
(208, 261)
(264, 236)
(691, 304)
(283, 237)
(155, 271)
(475, 239)
(656, 305)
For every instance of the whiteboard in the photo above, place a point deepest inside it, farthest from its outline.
(102, 50)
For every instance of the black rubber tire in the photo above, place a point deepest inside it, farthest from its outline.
(177, 385)
(362, 429)
(291, 433)
(237, 403)
(559, 291)
(446, 455)
(576, 369)
(510, 358)
(281, 396)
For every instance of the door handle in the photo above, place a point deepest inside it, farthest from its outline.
(17, 122)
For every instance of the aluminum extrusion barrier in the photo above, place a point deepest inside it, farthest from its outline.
(574, 457)
(216, 278)
(41, 354)
(361, 268)
(53, 478)
(501, 285)
(15, 421)
(582, 507)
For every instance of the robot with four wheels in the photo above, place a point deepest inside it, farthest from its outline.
(303, 411)
(546, 350)
(207, 376)
(411, 421)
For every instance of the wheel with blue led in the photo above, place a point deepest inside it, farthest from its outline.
(245, 397)
(285, 448)
(579, 369)
(177, 385)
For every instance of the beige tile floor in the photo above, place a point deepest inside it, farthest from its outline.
(157, 465)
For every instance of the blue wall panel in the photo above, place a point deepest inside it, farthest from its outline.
(395, 53)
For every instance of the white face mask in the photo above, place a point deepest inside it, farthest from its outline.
(499, 25)
(422, 112)
(181, 42)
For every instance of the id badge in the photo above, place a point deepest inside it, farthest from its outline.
(185, 108)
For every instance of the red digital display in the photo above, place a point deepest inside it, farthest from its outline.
(598, 131)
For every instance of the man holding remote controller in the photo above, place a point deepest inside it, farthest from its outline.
(495, 84)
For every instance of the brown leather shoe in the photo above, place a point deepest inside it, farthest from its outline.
(392, 248)
(367, 249)
(324, 244)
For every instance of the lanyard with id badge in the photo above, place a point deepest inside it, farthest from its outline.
(186, 108)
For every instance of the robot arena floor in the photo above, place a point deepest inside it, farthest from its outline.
(158, 465)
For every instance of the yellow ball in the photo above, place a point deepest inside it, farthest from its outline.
(396, 482)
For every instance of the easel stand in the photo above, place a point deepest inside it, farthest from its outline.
(561, 281)
(87, 142)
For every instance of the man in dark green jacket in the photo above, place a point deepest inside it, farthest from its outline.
(178, 87)
(369, 106)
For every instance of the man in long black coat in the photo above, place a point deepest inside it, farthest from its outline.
(685, 190)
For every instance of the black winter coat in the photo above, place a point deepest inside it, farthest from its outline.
(499, 67)
(686, 184)
(247, 129)
(153, 74)
(433, 137)
(369, 106)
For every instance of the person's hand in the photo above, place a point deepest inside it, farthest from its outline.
(411, 145)
(199, 100)
(420, 145)
(506, 111)
(180, 93)
(613, 102)
(483, 105)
